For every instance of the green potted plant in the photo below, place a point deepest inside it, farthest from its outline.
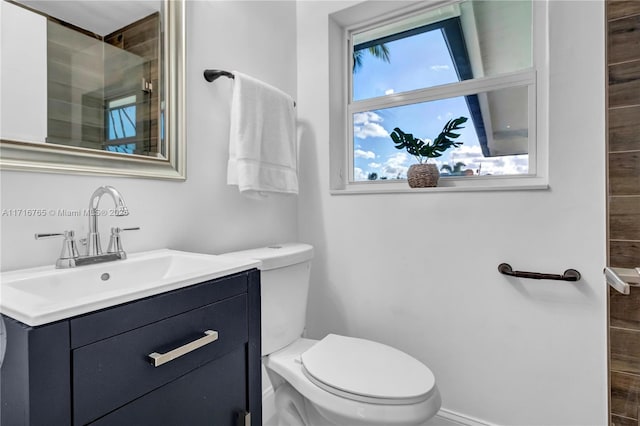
(424, 174)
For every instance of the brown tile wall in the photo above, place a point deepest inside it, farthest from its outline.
(141, 38)
(623, 55)
(74, 107)
(622, 421)
(89, 73)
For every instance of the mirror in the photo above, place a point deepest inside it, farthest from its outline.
(93, 87)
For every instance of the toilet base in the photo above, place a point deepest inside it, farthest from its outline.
(294, 394)
(292, 409)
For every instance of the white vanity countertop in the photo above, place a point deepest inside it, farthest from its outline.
(38, 296)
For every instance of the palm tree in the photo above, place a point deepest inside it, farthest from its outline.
(380, 51)
(455, 170)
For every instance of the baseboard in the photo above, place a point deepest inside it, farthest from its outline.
(451, 418)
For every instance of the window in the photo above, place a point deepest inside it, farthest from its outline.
(121, 125)
(421, 68)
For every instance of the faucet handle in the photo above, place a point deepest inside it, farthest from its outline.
(135, 228)
(69, 250)
(115, 242)
(44, 236)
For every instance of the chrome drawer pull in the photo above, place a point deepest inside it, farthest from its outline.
(158, 359)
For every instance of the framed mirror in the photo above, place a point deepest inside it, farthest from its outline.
(93, 87)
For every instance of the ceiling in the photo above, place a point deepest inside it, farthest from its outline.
(100, 17)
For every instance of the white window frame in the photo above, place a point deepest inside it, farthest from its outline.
(371, 14)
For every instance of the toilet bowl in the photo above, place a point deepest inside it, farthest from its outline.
(401, 391)
(337, 380)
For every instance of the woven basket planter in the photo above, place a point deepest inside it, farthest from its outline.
(423, 175)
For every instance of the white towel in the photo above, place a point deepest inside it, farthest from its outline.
(262, 139)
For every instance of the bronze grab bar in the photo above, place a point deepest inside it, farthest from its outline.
(211, 75)
(568, 275)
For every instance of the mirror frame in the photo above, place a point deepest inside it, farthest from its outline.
(39, 157)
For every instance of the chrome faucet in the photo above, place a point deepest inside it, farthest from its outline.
(69, 257)
(93, 238)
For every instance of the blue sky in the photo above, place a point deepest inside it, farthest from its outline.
(416, 62)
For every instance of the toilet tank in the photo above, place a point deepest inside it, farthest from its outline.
(284, 283)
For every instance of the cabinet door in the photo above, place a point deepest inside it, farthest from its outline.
(214, 394)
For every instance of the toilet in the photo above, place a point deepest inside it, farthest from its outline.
(338, 380)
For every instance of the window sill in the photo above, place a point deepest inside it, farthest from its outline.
(469, 184)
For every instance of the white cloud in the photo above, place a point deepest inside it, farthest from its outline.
(366, 117)
(358, 174)
(372, 130)
(360, 153)
(366, 124)
(471, 156)
(396, 165)
(389, 92)
(439, 67)
(468, 150)
(374, 165)
(448, 116)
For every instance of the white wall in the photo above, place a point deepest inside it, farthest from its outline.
(419, 271)
(504, 351)
(202, 214)
(23, 76)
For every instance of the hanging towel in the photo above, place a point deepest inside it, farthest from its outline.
(262, 139)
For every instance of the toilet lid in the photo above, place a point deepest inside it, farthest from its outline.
(367, 371)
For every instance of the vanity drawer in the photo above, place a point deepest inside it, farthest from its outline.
(114, 371)
(214, 394)
(96, 326)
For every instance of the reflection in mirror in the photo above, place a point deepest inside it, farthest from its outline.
(97, 79)
(101, 89)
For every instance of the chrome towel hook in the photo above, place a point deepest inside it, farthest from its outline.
(622, 279)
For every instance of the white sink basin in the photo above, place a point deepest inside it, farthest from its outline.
(42, 295)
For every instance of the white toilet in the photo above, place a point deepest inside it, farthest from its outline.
(337, 380)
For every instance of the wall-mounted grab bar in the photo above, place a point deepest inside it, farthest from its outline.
(569, 274)
(211, 75)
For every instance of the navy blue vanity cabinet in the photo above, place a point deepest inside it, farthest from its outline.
(95, 368)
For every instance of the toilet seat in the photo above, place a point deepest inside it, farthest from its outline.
(287, 364)
(367, 371)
